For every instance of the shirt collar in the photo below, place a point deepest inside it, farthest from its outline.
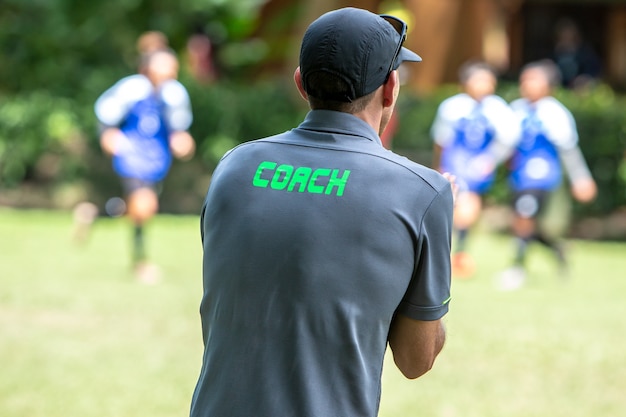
(339, 123)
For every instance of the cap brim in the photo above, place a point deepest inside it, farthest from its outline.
(408, 55)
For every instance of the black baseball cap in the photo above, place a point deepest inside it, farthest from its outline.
(358, 46)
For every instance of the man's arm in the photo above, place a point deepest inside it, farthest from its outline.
(415, 344)
(417, 335)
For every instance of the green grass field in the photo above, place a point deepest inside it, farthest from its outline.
(80, 337)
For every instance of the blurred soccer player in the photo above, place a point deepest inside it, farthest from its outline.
(144, 120)
(473, 132)
(549, 138)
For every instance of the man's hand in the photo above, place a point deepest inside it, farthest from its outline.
(182, 145)
(455, 187)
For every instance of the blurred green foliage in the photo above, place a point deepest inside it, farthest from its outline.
(35, 124)
(228, 113)
(59, 56)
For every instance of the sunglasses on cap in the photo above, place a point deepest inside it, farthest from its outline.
(401, 28)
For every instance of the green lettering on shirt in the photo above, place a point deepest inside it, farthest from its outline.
(301, 176)
(338, 182)
(288, 178)
(313, 188)
(281, 177)
(257, 181)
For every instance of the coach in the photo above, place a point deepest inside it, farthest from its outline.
(321, 246)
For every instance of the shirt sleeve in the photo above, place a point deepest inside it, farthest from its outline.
(428, 294)
(442, 130)
(503, 119)
(177, 105)
(507, 129)
(559, 124)
(560, 128)
(114, 104)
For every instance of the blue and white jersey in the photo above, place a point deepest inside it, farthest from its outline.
(146, 116)
(465, 130)
(548, 128)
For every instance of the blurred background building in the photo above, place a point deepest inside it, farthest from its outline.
(505, 33)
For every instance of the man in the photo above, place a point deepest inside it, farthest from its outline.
(320, 246)
(549, 138)
(578, 62)
(473, 132)
(144, 119)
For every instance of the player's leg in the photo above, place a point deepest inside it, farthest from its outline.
(466, 213)
(549, 240)
(143, 204)
(85, 213)
(523, 230)
(526, 207)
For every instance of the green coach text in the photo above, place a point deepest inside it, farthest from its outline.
(301, 179)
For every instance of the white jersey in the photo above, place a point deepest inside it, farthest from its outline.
(113, 106)
(474, 136)
(549, 135)
(556, 121)
(494, 109)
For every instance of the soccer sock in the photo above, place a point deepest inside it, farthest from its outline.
(553, 245)
(461, 240)
(522, 247)
(545, 240)
(139, 253)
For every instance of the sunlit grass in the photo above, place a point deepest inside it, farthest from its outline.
(81, 337)
(549, 349)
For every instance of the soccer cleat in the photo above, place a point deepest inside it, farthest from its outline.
(147, 273)
(463, 265)
(85, 213)
(511, 279)
(561, 258)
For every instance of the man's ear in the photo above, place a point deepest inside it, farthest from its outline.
(297, 77)
(390, 89)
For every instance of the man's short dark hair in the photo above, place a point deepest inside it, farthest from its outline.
(327, 91)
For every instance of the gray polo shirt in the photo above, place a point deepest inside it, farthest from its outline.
(313, 240)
